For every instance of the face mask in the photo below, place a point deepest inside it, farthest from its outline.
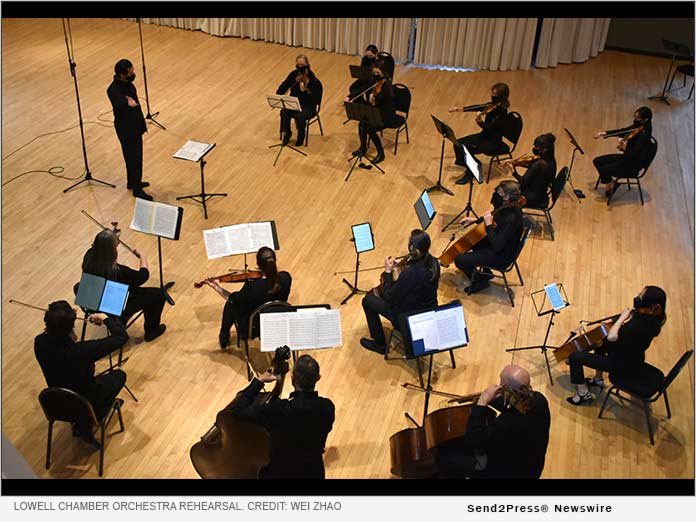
(495, 99)
(536, 151)
(377, 76)
(301, 68)
(131, 77)
(496, 199)
(638, 303)
(637, 121)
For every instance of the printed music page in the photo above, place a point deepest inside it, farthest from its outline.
(274, 331)
(165, 220)
(216, 243)
(142, 216)
(239, 240)
(193, 150)
(451, 328)
(301, 331)
(328, 328)
(275, 101)
(424, 326)
(261, 235)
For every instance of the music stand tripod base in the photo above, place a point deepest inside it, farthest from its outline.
(282, 146)
(359, 157)
(354, 290)
(88, 177)
(203, 196)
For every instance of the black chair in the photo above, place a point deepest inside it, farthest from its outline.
(523, 240)
(61, 404)
(647, 385)
(686, 69)
(652, 152)
(402, 104)
(556, 190)
(513, 130)
(388, 63)
(315, 118)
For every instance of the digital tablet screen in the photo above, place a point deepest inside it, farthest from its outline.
(362, 234)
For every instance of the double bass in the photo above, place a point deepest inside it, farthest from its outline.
(236, 448)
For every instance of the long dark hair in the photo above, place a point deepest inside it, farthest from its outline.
(419, 248)
(102, 259)
(502, 91)
(266, 260)
(646, 115)
(654, 295)
(545, 144)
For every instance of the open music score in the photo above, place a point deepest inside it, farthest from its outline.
(244, 238)
(193, 150)
(303, 329)
(159, 219)
(441, 329)
(97, 294)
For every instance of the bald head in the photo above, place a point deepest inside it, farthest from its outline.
(515, 377)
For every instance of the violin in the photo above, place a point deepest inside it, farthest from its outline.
(525, 160)
(481, 117)
(467, 241)
(114, 229)
(624, 141)
(232, 277)
(471, 108)
(404, 263)
(376, 90)
(236, 448)
(303, 78)
(626, 134)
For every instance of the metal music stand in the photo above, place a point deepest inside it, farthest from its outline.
(367, 115)
(578, 193)
(540, 313)
(149, 116)
(203, 196)
(446, 132)
(360, 73)
(468, 209)
(290, 103)
(354, 287)
(676, 49)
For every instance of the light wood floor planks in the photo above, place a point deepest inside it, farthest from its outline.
(212, 89)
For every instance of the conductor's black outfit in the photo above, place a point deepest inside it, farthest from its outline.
(536, 182)
(298, 428)
(628, 164)
(129, 123)
(309, 99)
(489, 140)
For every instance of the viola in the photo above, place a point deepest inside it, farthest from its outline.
(405, 262)
(114, 229)
(236, 448)
(232, 277)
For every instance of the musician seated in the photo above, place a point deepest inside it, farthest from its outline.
(304, 85)
(536, 182)
(298, 426)
(498, 248)
(273, 286)
(382, 97)
(633, 159)
(69, 363)
(101, 260)
(513, 446)
(623, 351)
(368, 60)
(415, 289)
(492, 122)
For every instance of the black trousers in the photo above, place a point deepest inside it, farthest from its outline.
(475, 144)
(132, 148)
(108, 387)
(608, 166)
(300, 117)
(375, 307)
(598, 361)
(365, 130)
(150, 300)
(468, 261)
(232, 314)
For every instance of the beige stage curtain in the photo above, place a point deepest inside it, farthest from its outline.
(496, 44)
(566, 40)
(340, 35)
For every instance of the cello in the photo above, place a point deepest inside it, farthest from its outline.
(588, 340)
(235, 448)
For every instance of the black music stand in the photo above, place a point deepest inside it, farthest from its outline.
(203, 196)
(289, 103)
(468, 209)
(446, 132)
(541, 312)
(358, 249)
(578, 193)
(367, 115)
(676, 49)
(360, 73)
(149, 116)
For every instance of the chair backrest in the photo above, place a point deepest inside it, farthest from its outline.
(388, 63)
(526, 230)
(61, 404)
(320, 94)
(675, 370)
(402, 98)
(271, 306)
(513, 129)
(649, 156)
(558, 185)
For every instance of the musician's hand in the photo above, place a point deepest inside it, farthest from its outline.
(97, 319)
(488, 218)
(347, 100)
(388, 264)
(467, 220)
(625, 314)
(507, 165)
(599, 135)
(131, 102)
(212, 284)
(489, 394)
(453, 109)
(267, 376)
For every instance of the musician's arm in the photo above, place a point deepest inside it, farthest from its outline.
(245, 406)
(500, 236)
(627, 328)
(634, 147)
(285, 86)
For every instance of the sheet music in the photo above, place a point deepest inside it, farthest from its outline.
(90, 291)
(304, 329)
(216, 244)
(328, 328)
(261, 235)
(142, 216)
(451, 327)
(238, 239)
(423, 326)
(165, 220)
(192, 150)
(274, 331)
(274, 100)
(301, 331)
(114, 299)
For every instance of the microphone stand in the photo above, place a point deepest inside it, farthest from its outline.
(73, 65)
(149, 116)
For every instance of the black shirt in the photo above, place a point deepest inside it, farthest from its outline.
(635, 336)
(504, 238)
(493, 125)
(254, 293)
(535, 183)
(298, 428)
(360, 85)
(69, 364)
(121, 274)
(415, 289)
(634, 157)
(310, 97)
(127, 120)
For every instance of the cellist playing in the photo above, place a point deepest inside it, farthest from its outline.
(498, 248)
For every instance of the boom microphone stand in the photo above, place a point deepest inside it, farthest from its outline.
(149, 116)
(73, 65)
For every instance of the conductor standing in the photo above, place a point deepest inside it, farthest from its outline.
(129, 123)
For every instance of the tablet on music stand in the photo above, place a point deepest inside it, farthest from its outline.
(473, 164)
(424, 210)
(97, 294)
(363, 238)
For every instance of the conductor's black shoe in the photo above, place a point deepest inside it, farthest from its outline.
(224, 338)
(286, 137)
(358, 152)
(140, 193)
(372, 346)
(142, 184)
(379, 158)
(151, 335)
(476, 287)
(466, 178)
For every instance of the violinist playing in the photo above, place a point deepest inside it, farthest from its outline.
(298, 426)
(415, 289)
(273, 286)
(359, 85)
(498, 248)
(382, 97)
(623, 350)
(492, 121)
(304, 85)
(541, 171)
(635, 144)
(513, 446)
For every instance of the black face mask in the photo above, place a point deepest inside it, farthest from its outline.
(131, 78)
(637, 121)
(536, 151)
(376, 76)
(301, 68)
(496, 200)
(638, 303)
(495, 99)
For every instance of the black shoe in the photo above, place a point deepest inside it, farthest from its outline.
(372, 346)
(224, 338)
(358, 152)
(142, 184)
(477, 287)
(151, 335)
(486, 275)
(379, 158)
(460, 163)
(286, 137)
(299, 142)
(588, 397)
(140, 193)
(465, 179)
(610, 192)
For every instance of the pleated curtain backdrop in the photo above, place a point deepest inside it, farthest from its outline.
(496, 44)
(568, 40)
(340, 35)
